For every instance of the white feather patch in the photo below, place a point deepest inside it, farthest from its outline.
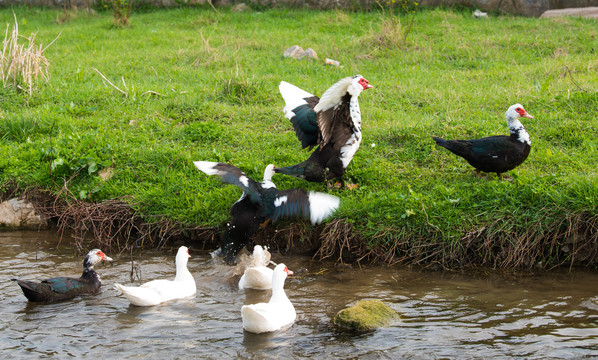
(293, 97)
(244, 180)
(321, 206)
(350, 148)
(281, 200)
(333, 95)
(208, 167)
(268, 184)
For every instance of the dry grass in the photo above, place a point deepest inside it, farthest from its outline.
(22, 65)
(113, 224)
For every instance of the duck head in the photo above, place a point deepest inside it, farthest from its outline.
(515, 127)
(358, 84)
(281, 271)
(93, 257)
(516, 111)
(182, 256)
(269, 172)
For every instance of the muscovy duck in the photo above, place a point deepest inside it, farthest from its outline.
(158, 291)
(495, 153)
(257, 275)
(332, 122)
(261, 202)
(61, 288)
(274, 315)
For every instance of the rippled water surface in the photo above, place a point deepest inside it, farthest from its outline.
(444, 315)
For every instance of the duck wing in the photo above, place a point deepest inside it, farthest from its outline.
(299, 203)
(139, 295)
(231, 174)
(299, 109)
(479, 150)
(62, 284)
(259, 277)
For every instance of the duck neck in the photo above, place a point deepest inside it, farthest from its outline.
(518, 131)
(182, 273)
(355, 113)
(89, 273)
(278, 294)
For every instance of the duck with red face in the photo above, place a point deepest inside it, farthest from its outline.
(61, 288)
(332, 123)
(498, 153)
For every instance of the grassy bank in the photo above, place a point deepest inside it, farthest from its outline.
(197, 85)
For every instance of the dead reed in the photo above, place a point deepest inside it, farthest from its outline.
(22, 65)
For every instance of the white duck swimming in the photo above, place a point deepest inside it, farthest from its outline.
(275, 314)
(158, 291)
(257, 275)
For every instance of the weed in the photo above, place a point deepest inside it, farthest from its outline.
(392, 34)
(243, 92)
(121, 12)
(20, 65)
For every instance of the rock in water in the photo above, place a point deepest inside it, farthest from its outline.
(20, 214)
(366, 315)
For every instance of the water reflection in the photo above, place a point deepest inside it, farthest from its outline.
(443, 315)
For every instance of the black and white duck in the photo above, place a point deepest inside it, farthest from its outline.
(61, 288)
(498, 153)
(332, 123)
(262, 202)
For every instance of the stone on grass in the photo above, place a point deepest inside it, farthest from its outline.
(294, 51)
(366, 315)
(309, 53)
(20, 214)
(480, 14)
(240, 7)
(586, 12)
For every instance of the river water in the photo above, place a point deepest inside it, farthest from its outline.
(444, 315)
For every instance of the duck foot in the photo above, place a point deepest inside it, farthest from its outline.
(264, 224)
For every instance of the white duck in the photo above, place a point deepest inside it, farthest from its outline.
(275, 314)
(158, 291)
(257, 275)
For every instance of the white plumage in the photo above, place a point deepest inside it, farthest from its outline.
(321, 205)
(257, 275)
(274, 315)
(293, 97)
(158, 291)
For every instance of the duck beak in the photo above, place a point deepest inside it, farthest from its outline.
(368, 86)
(107, 258)
(527, 116)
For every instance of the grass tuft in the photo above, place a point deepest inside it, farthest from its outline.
(22, 65)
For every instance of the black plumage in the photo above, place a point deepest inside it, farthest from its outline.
(61, 288)
(332, 123)
(261, 202)
(496, 154)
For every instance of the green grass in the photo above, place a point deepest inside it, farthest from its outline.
(216, 77)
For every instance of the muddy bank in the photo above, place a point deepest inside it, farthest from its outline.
(114, 225)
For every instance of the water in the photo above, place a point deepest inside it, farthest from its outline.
(444, 315)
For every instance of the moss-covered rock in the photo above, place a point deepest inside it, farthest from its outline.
(366, 315)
